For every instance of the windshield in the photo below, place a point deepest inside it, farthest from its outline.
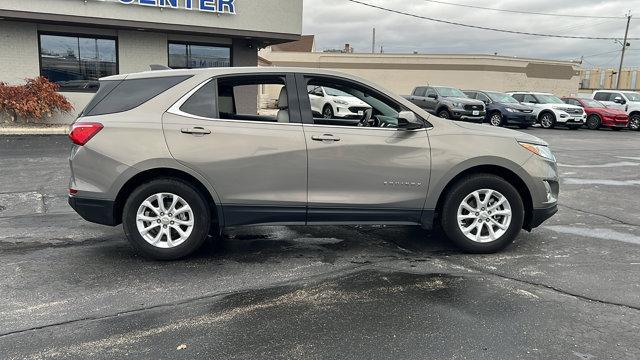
(450, 92)
(632, 96)
(549, 99)
(593, 103)
(335, 92)
(501, 98)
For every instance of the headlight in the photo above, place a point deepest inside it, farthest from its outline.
(341, 102)
(457, 105)
(510, 110)
(539, 150)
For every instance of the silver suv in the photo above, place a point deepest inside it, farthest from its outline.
(177, 156)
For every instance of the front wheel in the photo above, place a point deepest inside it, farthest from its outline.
(496, 119)
(634, 122)
(166, 219)
(593, 122)
(444, 114)
(482, 214)
(548, 120)
(327, 112)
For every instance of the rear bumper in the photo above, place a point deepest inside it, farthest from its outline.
(541, 215)
(95, 211)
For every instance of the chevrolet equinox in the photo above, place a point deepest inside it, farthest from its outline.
(177, 156)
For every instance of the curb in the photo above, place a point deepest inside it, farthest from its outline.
(58, 130)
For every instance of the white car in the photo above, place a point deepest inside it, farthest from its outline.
(627, 101)
(552, 111)
(332, 103)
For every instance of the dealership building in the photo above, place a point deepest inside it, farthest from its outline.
(75, 42)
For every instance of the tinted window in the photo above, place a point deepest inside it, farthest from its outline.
(601, 96)
(202, 102)
(130, 94)
(254, 98)
(193, 56)
(483, 97)
(530, 99)
(76, 63)
(420, 91)
(105, 88)
(431, 91)
(518, 97)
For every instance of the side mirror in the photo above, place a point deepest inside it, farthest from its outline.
(619, 100)
(433, 96)
(407, 120)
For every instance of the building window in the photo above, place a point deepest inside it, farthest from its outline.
(76, 62)
(193, 56)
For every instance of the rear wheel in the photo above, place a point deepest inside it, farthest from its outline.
(548, 120)
(166, 219)
(634, 122)
(496, 119)
(594, 122)
(482, 214)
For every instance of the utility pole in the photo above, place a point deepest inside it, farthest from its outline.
(373, 42)
(624, 49)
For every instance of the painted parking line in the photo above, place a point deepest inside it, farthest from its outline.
(575, 181)
(607, 165)
(598, 233)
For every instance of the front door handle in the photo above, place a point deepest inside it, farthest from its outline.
(325, 137)
(196, 131)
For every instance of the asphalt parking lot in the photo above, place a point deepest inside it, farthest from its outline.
(568, 290)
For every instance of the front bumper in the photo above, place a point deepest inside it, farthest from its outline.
(615, 122)
(520, 119)
(349, 113)
(571, 119)
(541, 215)
(95, 211)
(468, 115)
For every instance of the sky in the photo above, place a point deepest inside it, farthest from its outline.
(337, 22)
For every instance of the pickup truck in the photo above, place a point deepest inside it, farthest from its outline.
(447, 103)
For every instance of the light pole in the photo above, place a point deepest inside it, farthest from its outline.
(624, 49)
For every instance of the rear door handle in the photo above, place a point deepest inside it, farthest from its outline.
(196, 131)
(325, 137)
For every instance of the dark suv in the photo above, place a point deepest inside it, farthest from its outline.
(504, 110)
(447, 103)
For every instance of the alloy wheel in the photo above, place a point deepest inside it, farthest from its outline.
(165, 220)
(496, 119)
(484, 216)
(634, 122)
(546, 121)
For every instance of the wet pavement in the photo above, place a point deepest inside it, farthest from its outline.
(569, 290)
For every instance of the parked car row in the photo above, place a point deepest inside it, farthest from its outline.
(604, 109)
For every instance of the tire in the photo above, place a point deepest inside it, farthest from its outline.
(547, 120)
(327, 112)
(634, 122)
(496, 119)
(594, 122)
(444, 114)
(192, 207)
(463, 190)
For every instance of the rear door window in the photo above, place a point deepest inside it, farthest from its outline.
(602, 96)
(519, 97)
(202, 102)
(420, 91)
(129, 94)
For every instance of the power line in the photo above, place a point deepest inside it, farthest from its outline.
(525, 12)
(483, 27)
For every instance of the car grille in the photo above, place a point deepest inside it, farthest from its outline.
(573, 111)
(473, 107)
(355, 109)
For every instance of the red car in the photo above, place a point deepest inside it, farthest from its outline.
(598, 115)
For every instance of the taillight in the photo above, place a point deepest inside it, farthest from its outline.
(81, 133)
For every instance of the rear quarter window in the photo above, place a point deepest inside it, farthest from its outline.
(126, 95)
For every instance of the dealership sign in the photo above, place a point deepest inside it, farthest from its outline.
(211, 6)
